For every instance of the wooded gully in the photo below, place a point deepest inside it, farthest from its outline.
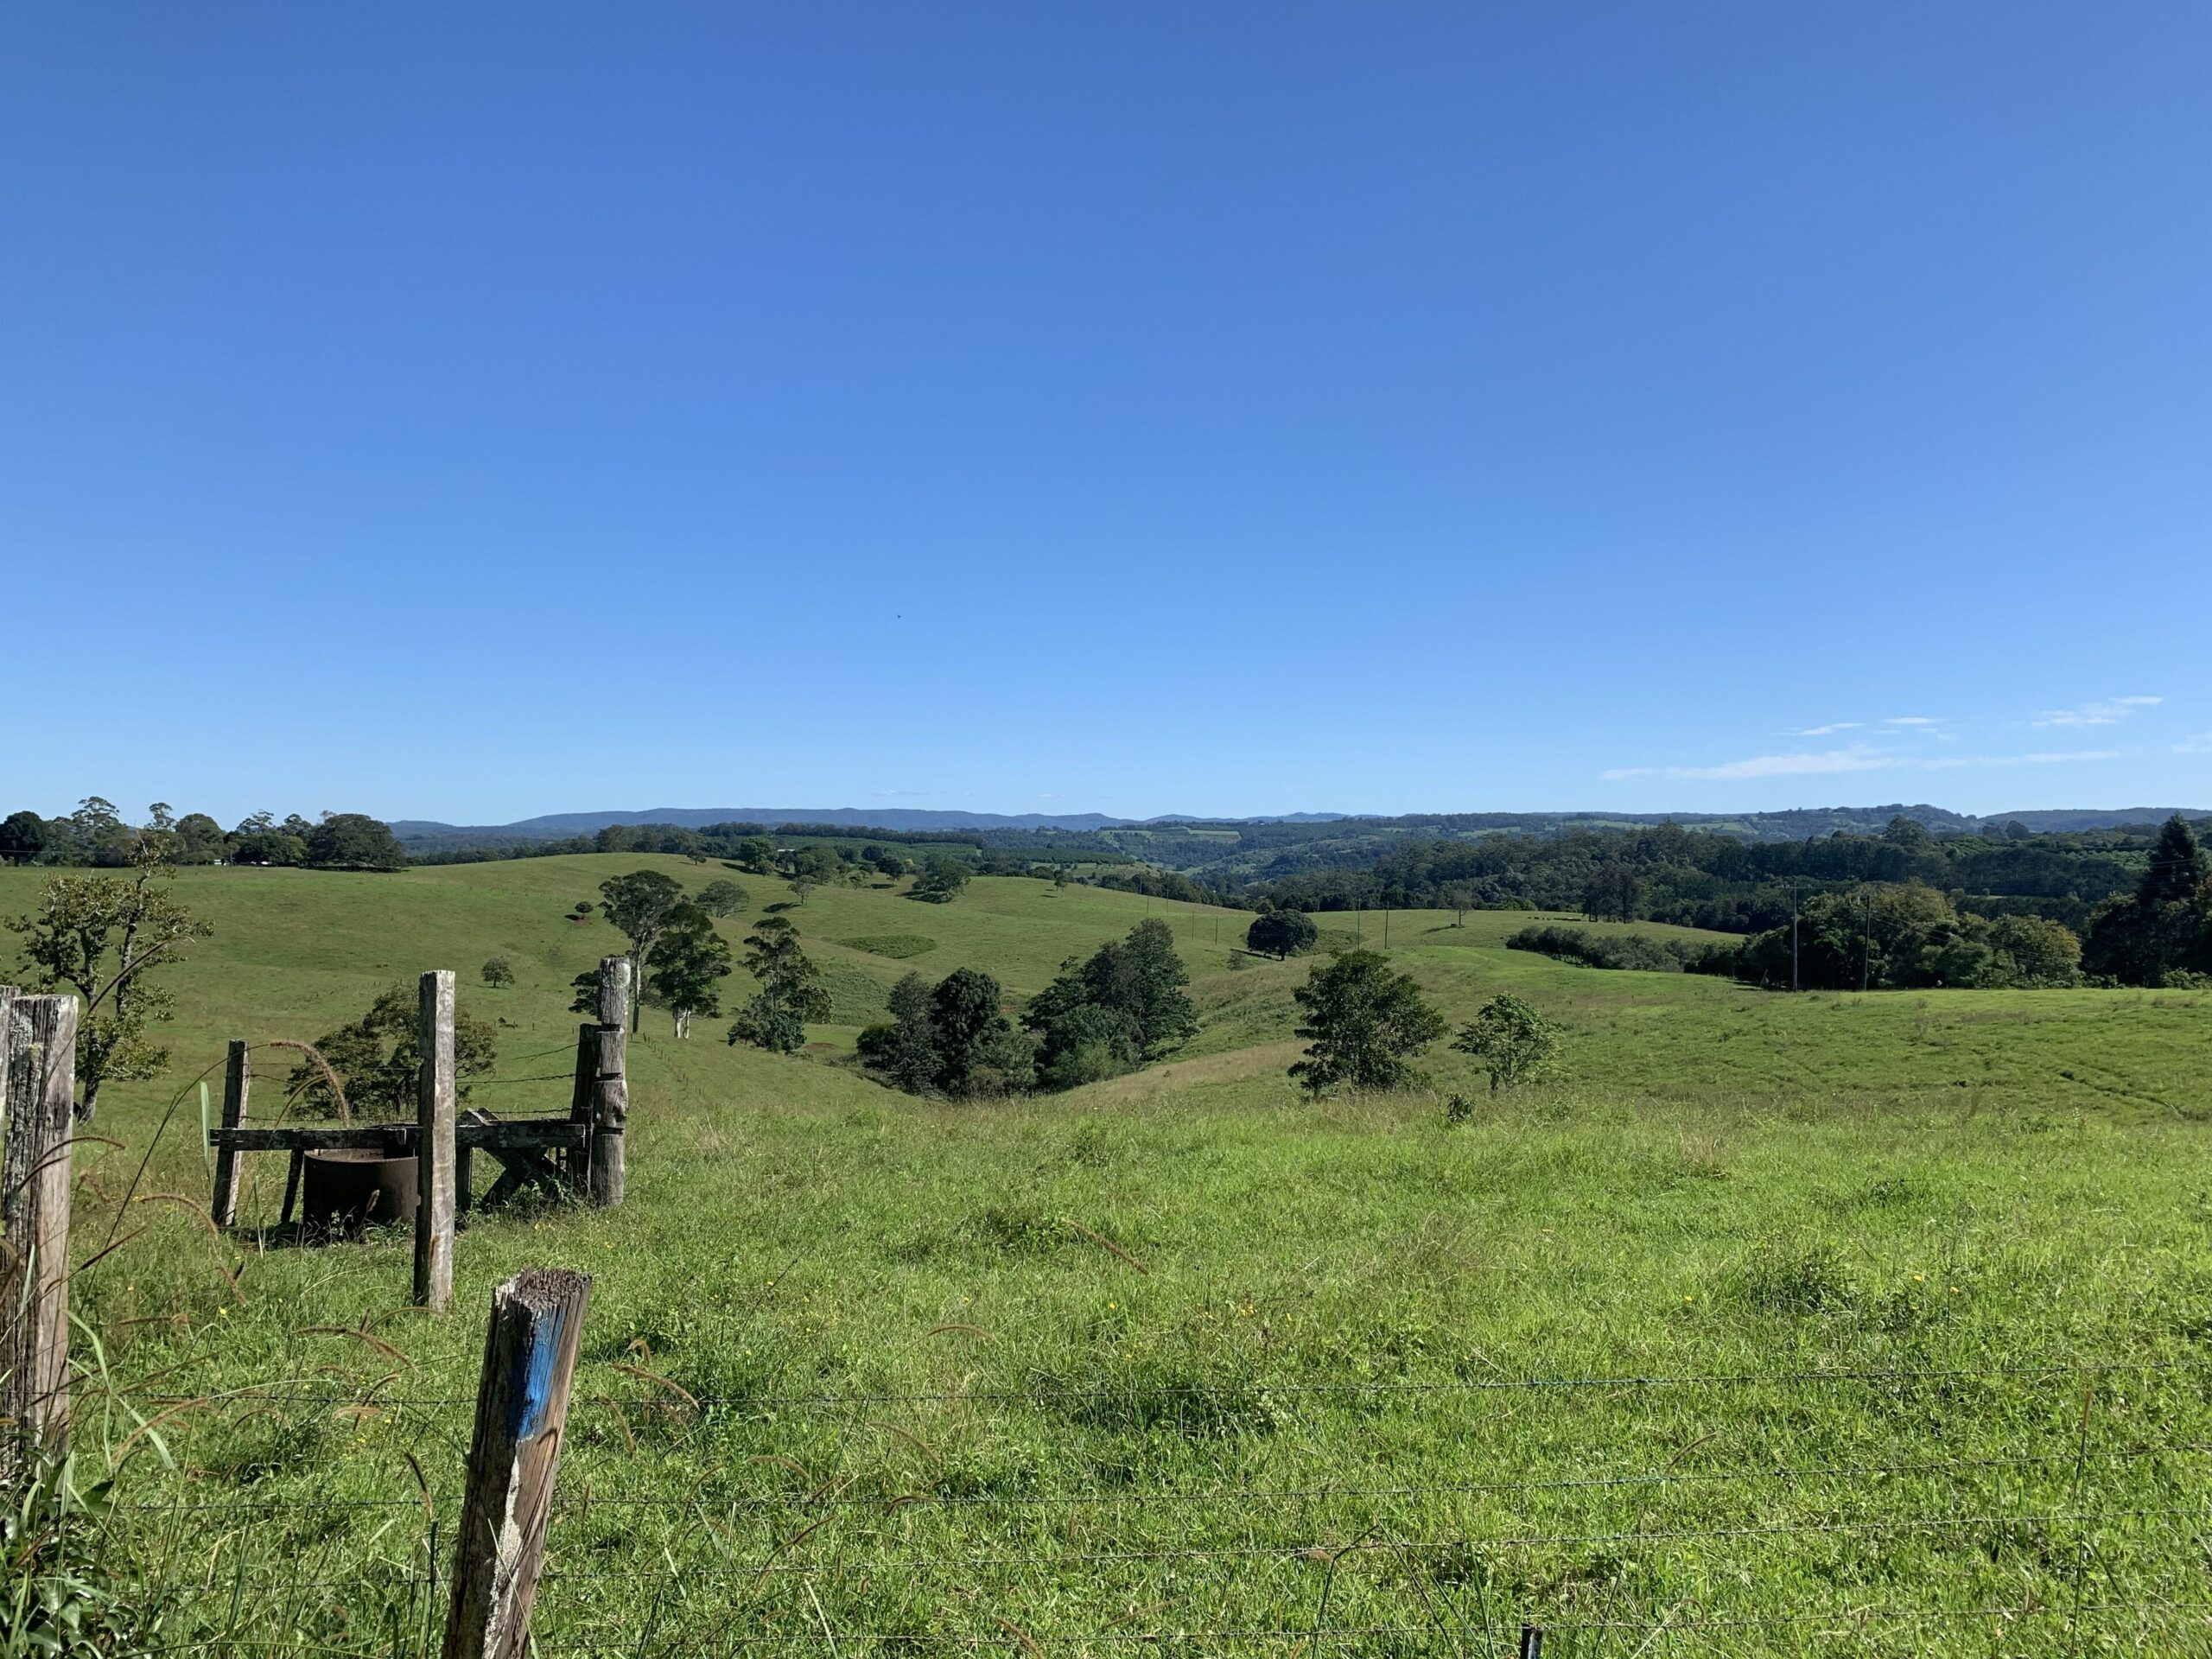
(537, 1320)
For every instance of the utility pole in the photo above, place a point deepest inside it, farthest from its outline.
(1865, 940)
(1793, 937)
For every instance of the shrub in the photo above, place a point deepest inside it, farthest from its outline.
(941, 880)
(1281, 933)
(1363, 1023)
(1512, 1041)
(1628, 951)
(379, 1059)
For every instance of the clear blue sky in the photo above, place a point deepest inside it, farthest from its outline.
(472, 411)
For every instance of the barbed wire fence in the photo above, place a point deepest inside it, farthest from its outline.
(674, 1529)
(2054, 1505)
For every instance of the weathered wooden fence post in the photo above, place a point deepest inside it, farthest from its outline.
(39, 1034)
(522, 1407)
(434, 1149)
(602, 1093)
(237, 1084)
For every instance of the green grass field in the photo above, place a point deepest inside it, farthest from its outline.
(1768, 1328)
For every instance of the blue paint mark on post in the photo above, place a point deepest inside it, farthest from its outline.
(534, 1387)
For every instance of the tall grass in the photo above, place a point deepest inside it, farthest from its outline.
(1779, 1326)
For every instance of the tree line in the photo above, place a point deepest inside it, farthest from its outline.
(990, 852)
(97, 834)
(1908, 935)
(1122, 1008)
(1710, 878)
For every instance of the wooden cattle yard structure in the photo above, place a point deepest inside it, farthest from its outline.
(581, 1154)
(530, 1345)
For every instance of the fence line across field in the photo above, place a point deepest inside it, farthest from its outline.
(1231, 1496)
(1500, 1640)
(1328, 1552)
(1052, 1395)
(509, 1509)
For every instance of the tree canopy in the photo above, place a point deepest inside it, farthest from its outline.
(1903, 936)
(1510, 1039)
(968, 1027)
(2163, 931)
(688, 963)
(942, 880)
(949, 1038)
(1281, 933)
(1122, 1008)
(353, 841)
(790, 993)
(1365, 1024)
(106, 937)
(641, 904)
(1118, 1009)
(723, 898)
(22, 837)
(379, 1059)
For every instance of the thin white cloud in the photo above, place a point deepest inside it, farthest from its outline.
(1828, 730)
(1856, 757)
(2045, 758)
(2201, 744)
(2110, 711)
(1912, 721)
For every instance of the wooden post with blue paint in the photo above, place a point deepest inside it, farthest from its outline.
(522, 1411)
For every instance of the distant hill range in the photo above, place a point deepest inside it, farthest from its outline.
(559, 826)
(1795, 824)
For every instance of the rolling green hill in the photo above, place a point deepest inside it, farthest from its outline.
(855, 1364)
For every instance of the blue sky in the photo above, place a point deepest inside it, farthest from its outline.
(468, 412)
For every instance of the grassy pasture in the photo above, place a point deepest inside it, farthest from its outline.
(1835, 1255)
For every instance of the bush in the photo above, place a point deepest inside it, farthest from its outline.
(59, 1601)
(1281, 933)
(723, 898)
(1510, 1039)
(1365, 1024)
(378, 1060)
(1626, 951)
(941, 880)
(353, 841)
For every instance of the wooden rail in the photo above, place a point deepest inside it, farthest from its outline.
(398, 1139)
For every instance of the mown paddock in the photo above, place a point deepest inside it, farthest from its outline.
(1389, 1267)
